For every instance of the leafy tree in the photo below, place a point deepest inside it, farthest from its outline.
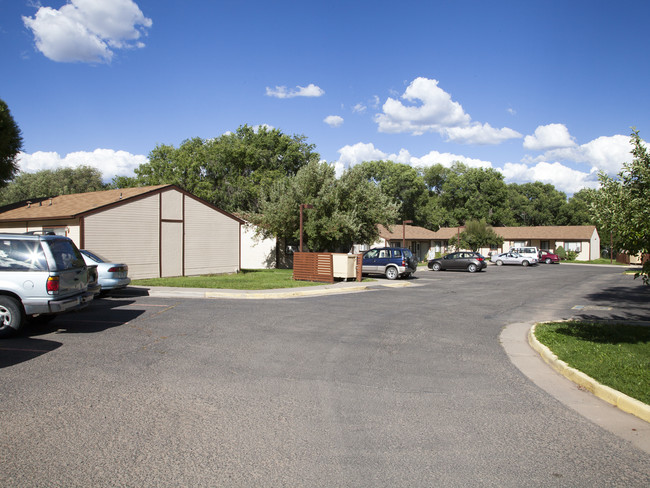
(622, 205)
(345, 211)
(229, 171)
(51, 183)
(577, 210)
(477, 234)
(536, 203)
(475, 193)
(11, 142)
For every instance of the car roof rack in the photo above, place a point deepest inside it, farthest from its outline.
(40, 233)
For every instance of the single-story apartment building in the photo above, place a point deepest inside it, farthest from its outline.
(158, 231)
(582, 239)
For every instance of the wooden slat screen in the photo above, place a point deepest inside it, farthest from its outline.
(313, 266)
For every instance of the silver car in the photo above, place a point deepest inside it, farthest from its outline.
(512, 258)
(112, 276)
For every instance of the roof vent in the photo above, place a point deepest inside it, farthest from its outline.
(120, 195)
(50, 204)
(29, 204)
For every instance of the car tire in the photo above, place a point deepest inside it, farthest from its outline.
(472, 268)
(525, 263)
(499, 263)
(436, 267)
(392, 273)
(548, 261)
(12, 316)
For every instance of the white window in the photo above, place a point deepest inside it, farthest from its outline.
(572, 246)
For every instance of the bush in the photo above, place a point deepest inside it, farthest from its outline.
(561, 253)
(571, 255)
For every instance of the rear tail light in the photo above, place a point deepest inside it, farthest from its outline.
(53, 284)
(480, 259)
(114, 269)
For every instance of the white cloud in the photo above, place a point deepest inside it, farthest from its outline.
(560, 176)
(605, 153)
(551, 136)
(310, 90)
(359, 108)
(111, 163)
(447, 159)
(333, 120)
(88, 30)
(437, 112)
(358, 153)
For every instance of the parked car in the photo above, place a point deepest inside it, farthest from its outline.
(40, 277)
(392, 262)
(465, 260)
(512, 258)
(112, 276)
(548, 257)
(527, 251)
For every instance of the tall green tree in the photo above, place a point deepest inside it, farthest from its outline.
(51, 183)
(474, 194)
(345, 211)
(229, 171)
(622, 205)
(536, 203)
(11, 142)
(577, 211)
(477, 234)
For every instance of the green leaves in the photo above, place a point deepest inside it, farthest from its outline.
(11, 142)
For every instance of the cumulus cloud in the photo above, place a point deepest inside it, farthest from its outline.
(431, 109)
(606, 153)
(560, 176)
(310, 90)
(551, 136)
(333, 120)
(111, 163)
(88, 31)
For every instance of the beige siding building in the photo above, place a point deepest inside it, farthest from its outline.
(158, 231)
(582, 239)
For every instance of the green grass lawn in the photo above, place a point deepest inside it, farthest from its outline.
(597, 261)
(616, 355)
(247, 279)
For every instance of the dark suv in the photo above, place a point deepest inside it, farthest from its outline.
(392, 262)
(41, 276)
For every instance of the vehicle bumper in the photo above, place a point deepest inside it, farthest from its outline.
(76, 302)
(114, 283)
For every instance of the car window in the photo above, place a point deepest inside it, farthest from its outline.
(408, 253)
(397, 253)
(16, 255)
(66, 255)
(450, 256)
(383, 253)
(95, 257)
(372, 254)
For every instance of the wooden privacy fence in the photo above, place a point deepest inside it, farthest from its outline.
(325, 266)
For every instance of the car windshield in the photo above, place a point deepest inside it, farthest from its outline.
(94, 256)
(66, 255)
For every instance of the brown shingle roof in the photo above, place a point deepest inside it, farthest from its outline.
(560, 232)
(71, 206)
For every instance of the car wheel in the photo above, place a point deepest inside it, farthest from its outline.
(12, 316)
(391, 273)
(525, 263)
(548, 261)
(499, 263)
(436, 267)
(472, 268)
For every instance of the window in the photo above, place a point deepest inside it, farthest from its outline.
(22, 256)
(572, 246)
(519, 244)
(397, 253)
(372, 254)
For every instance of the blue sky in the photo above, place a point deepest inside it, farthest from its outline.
(543, 90)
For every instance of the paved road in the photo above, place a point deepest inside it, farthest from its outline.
(389, 387)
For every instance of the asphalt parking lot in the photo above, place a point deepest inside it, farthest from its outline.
(392, 386)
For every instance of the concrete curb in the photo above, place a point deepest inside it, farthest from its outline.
(614, 397)
(288, 294)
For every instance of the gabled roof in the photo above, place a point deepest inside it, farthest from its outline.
(559, 232)
(80, 204)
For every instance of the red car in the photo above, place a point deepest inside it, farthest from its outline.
(548, 257)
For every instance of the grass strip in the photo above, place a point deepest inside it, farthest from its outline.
(247, 279)
(616, 355)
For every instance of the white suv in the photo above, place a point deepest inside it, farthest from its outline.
(41, 276)
(528, 251)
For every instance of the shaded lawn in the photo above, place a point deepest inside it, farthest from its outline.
(247, 279)
(616, 355)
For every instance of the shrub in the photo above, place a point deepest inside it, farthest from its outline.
(560, 252)
(571, 255)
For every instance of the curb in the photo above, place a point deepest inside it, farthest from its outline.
(288, 294)
(614, 397)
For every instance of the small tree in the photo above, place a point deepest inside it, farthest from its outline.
(477, 234)
(11, 142)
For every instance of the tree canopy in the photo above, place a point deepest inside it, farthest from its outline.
(622, 207)
(477, 234)
(11, 142)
